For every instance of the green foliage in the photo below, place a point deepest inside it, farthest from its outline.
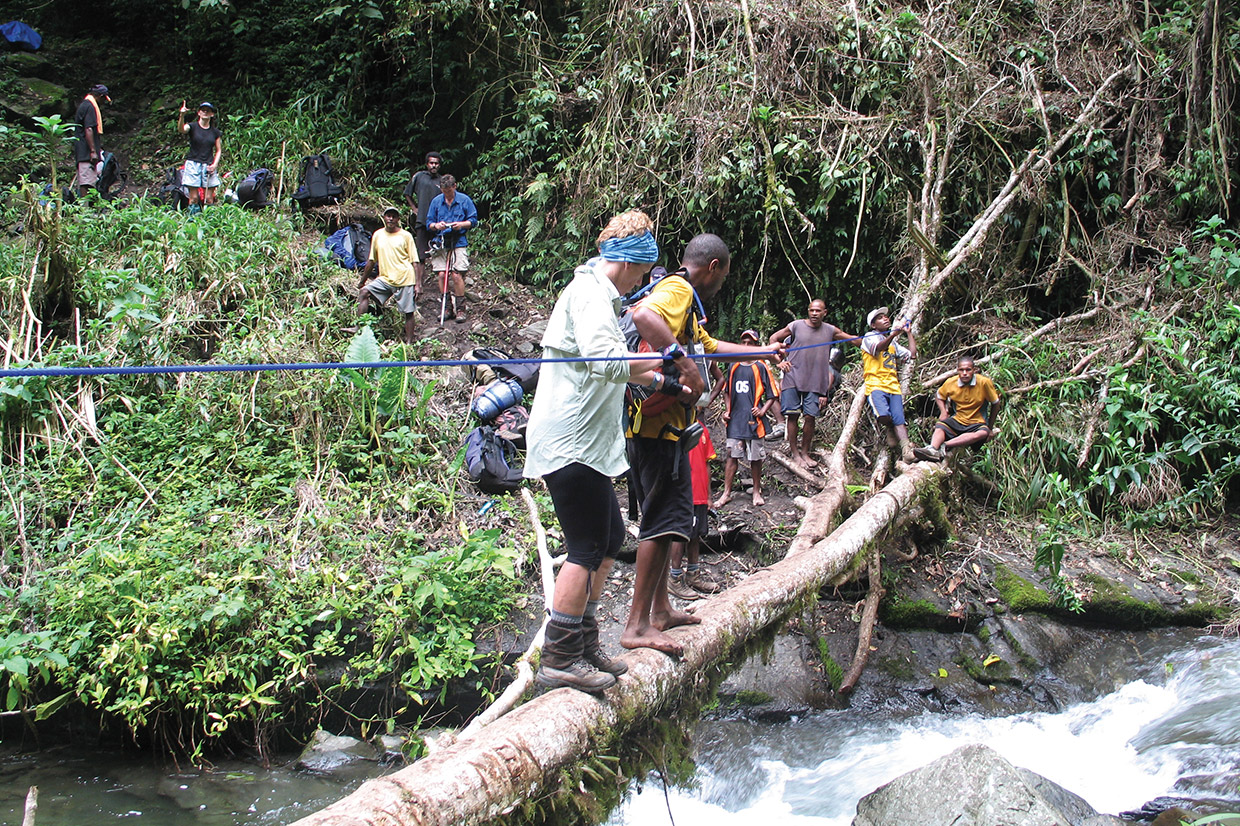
(207, 556)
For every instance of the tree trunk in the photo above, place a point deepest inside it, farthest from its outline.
(518, 755)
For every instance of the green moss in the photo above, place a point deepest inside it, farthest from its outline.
(1189, 577)
(833, 671)
(997, 673)
(983, 633)
(747, 697)
(1112, 605)
(899, 613)
(1021, 595)
(1023, 656)
(900, 669)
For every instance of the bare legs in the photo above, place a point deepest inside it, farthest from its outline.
(651, 612)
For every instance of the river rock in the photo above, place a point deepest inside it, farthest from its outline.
(976, 786)
(327, 752)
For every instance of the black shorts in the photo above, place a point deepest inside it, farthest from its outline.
(701, 521)
(954, 428)
(661, 473)
(585, 503)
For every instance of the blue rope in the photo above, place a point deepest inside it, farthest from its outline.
(154, 369)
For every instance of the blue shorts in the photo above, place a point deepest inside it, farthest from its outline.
(793, 402)
(888, 404)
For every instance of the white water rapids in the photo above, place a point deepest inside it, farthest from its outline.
(1174, 733)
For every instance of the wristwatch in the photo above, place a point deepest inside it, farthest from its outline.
(672, 352)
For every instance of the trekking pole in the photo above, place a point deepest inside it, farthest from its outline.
(443, 296)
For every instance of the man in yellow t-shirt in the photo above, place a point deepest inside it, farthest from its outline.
(395, 253)
(968, 405)
(880, 355)
(660, 468)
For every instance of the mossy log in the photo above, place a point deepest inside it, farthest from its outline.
(482, 778)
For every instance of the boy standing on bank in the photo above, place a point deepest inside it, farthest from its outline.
(750, 394)
(880, 358)
(205, 146)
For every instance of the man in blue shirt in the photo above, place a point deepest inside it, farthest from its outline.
(450, 216)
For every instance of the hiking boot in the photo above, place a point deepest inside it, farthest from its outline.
(677, 587)
(563, 663)
(702, 582)
(929, 454)
(777, 432)
(906, 452)
(594, 652)
(458, 310)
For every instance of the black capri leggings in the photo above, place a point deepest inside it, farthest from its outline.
(585, 503)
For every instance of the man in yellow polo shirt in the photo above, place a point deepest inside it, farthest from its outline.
(393, 249)
(968, 405)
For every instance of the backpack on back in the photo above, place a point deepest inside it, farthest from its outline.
(255, 190)
(647, 401)
(318, 184)
(172, 193)
(488, 458)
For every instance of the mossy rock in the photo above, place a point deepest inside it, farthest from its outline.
(1112, 605)
(1021, 595)
(34, 97)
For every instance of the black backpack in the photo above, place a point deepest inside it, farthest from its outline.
(172, 193)
(488, 458)
(254, 191)
(109, 173)
(318, 186)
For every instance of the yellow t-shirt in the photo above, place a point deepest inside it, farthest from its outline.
(396, 253)
(879, 369)
(673, 300)
(968, 399)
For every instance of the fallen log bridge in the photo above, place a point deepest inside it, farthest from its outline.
(485, 776)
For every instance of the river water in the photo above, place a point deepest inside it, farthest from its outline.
(1173, 728)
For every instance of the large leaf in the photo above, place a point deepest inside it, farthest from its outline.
(363, 347)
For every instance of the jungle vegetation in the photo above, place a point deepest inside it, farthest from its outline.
(1048, 185)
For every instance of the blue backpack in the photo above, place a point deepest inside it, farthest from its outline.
(350, 245)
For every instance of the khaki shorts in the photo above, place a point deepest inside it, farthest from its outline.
(382, 291)
(460, 260)
(750, 449)
(88, 173)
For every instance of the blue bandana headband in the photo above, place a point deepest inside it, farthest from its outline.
(638, 249)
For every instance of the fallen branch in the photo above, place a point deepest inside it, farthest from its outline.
(869, 616)
(524, 678)
(797, 470)
(32, 806)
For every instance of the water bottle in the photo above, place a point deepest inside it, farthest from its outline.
(499, 395)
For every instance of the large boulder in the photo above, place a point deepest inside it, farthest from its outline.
(27, 97)
(975, 786)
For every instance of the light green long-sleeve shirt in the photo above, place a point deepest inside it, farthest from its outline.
(578, 413)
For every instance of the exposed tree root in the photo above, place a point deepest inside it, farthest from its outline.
(869, 616)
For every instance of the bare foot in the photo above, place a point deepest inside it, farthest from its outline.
(651, 637)
(810, 463)
(758, 501)
(672, 619)
(723, 500)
